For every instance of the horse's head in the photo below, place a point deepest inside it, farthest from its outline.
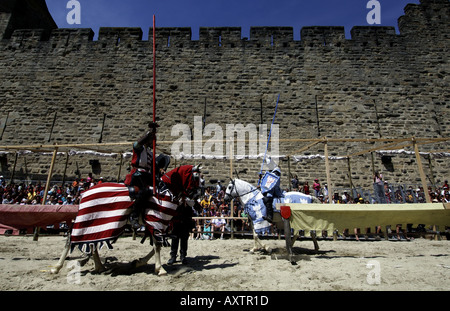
(230, 191)
(238, 188)
(184, 180)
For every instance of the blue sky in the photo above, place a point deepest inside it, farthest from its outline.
(222, 13)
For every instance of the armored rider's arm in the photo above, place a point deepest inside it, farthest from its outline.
(149, 135)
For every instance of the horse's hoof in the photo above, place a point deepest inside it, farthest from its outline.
(162, 272)
(54, 271)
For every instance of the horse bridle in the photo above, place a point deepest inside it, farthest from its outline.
(239, 195)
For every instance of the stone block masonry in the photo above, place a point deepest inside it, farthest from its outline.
(60, 86)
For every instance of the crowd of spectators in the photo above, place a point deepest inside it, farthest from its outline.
(212, 200)
(388, 194)
(33, 193)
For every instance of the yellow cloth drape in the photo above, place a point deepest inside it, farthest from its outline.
(339, 216)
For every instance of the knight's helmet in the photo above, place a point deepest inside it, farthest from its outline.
(162, 163)
(277, 171)
(196, 174)
(196, 192)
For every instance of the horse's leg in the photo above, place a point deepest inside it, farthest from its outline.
(313, 237)
(60, 263)
(256, 239)
(259, 244)
(159, 270)
(99, 267)
(143, 261)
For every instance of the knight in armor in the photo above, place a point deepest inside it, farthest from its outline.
(271, 188)
(141, 175)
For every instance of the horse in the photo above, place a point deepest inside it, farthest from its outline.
(104, 211)
(252, 200)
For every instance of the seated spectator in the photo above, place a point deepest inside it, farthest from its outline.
(207, 226)
(7, 200)
(219, 224)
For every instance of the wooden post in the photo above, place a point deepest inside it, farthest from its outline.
(103, 127)
(317, 118)
(430, 164)
(231, 203)
(327, 168)
(4, 126)
(53, 126)
(349, 173)
(120, 167)
(289, 173)
(14, 169)
(421, 171)
(47, 186)
(65, 169)
(373, 164)
(26, 167)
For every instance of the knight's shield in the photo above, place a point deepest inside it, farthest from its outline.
(268, 182)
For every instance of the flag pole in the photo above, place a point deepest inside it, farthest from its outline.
(154, 104)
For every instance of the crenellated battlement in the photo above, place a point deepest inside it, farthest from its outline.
(172, 36)
(428, 17)
(323, 35)
(119, 34)
(219, 36)
(418, 21)
(272, 36)
(374, 36)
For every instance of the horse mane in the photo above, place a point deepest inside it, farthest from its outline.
(246, 183)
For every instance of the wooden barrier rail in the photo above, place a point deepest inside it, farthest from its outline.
(232, 231)
(305, 218)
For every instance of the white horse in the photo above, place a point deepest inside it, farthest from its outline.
(251, 198)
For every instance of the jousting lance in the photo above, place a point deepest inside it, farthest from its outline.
(270, 134)
(154, 104)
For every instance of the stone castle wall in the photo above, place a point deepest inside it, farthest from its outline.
(59, 86)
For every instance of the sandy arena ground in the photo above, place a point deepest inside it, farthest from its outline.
(223, 265)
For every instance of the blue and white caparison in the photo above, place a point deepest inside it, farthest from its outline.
(252, 200)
